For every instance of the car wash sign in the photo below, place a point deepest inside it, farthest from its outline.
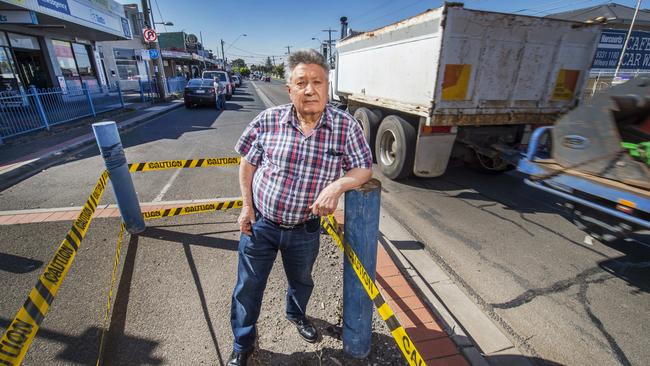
(637, 53)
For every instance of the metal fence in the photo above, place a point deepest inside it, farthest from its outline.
(36, 109)
(147, 90)
(600, 81)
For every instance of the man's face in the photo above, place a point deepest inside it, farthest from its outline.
(308, 89)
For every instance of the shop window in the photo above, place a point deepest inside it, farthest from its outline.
(86, 69)
(23, 41)
(9, 81)
(65, 58)
(75, 62)
(127, 65)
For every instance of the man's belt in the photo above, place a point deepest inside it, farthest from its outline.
(290, 227)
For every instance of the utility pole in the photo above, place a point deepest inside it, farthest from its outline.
(329, 44)
(288, 50)
(273, 57)
(202, 49)
(159, 70)
(223, 55)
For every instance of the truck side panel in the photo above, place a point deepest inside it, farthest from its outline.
(495, 63)
(397, 62)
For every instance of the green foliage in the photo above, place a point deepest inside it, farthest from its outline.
(244, 71)
(279, 71)
(268, 65)
(238, 63)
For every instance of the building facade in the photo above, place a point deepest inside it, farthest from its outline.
(52, 43)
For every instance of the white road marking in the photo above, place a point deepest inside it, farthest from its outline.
(267, 102)
(167, 186)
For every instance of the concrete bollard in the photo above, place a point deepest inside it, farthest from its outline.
(110, 146)
(361, 232)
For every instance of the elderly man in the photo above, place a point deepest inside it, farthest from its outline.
(290, 175)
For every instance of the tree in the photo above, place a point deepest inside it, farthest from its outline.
(244, 71)
(238, 62)
(268, 66)
(279, 70)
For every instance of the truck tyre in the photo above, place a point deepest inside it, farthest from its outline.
(369, 122)
(395, 147)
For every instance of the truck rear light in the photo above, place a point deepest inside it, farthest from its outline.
(431, 130)
(626, 206)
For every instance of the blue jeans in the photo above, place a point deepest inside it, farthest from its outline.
(299, 248)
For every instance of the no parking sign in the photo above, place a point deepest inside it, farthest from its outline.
(149, 35)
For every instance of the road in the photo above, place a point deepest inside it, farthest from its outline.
(509, 247)
(516, 253)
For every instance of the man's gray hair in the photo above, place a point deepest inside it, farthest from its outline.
(307, 56)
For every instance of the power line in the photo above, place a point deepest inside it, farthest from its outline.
(548, 10)
(160, 13)
(393, 12)
(539, 7)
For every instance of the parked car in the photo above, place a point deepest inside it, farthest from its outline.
(200, 91)
(237, 80)
(267, 78)
(223, 78)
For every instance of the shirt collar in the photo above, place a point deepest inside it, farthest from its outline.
(326, 119)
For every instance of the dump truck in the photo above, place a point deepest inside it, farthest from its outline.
(456, 82)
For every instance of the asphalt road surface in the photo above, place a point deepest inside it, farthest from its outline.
(516, 253)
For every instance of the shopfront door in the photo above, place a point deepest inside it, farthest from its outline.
(32, 68)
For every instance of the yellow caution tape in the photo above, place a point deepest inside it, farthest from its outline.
(22, 330)
(181, 164)
(402, 339)
(220, 205)
(118, 251)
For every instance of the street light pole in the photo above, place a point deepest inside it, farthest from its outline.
(159, 70)
(629, 33)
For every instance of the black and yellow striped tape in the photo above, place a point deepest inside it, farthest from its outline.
(182, 164)
(219, 205)
(22, 330)
(402, 339)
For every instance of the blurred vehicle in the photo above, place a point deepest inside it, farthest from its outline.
(267, 78)
(200, 91)
(223, 79)
(237, 80)
(232, 82)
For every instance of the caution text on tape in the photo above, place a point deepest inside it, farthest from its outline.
(22, 330)
(219, 205)
(183, 164)
(400, 336)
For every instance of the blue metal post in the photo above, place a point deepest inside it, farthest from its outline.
(84, 85)
(110, 146)
(361, 231)
(119, 92)
(141, 90)
(39, 106)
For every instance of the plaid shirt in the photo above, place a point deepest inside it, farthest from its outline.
(293, 169)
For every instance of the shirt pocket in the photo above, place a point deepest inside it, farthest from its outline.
(331, 164)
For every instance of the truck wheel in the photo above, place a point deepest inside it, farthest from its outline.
(369, 122)
(395, 147)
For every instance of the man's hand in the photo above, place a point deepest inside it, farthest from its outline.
(246, 220)
(327, 200)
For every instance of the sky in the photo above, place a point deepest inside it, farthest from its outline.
(271, 26)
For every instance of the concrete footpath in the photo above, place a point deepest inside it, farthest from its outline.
(24, 156)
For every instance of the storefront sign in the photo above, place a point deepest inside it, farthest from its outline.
(145, 55)
(637, 53)
(126, 28)
(17, 17)
(57, 5)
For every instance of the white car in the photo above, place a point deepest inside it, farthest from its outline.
(237, 80)
(222, 78)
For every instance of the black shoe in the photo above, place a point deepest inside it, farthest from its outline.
(306, 329)
(238, 358)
